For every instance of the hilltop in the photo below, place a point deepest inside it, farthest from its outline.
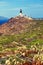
(16, 25)
(19, 25)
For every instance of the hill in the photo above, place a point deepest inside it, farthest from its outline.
(21, 41)
(19, 25)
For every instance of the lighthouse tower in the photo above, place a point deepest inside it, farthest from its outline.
(21, 14)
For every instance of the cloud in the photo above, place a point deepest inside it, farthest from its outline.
(9, 9)
(36, 5)
(13, 9)
(17, 8)
(2, 3)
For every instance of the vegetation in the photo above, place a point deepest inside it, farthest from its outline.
(23, 46)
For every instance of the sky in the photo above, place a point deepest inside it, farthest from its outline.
(31, 8)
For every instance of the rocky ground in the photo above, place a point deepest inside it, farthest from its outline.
(21, 42)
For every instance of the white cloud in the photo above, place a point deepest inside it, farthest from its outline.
(2, 3)
(13, 9)
(36, 5)
(10, 9)
(17, 8)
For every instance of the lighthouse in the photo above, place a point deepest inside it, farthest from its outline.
(21, 14)
(20, 10)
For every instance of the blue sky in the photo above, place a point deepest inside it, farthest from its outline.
(32, 8)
